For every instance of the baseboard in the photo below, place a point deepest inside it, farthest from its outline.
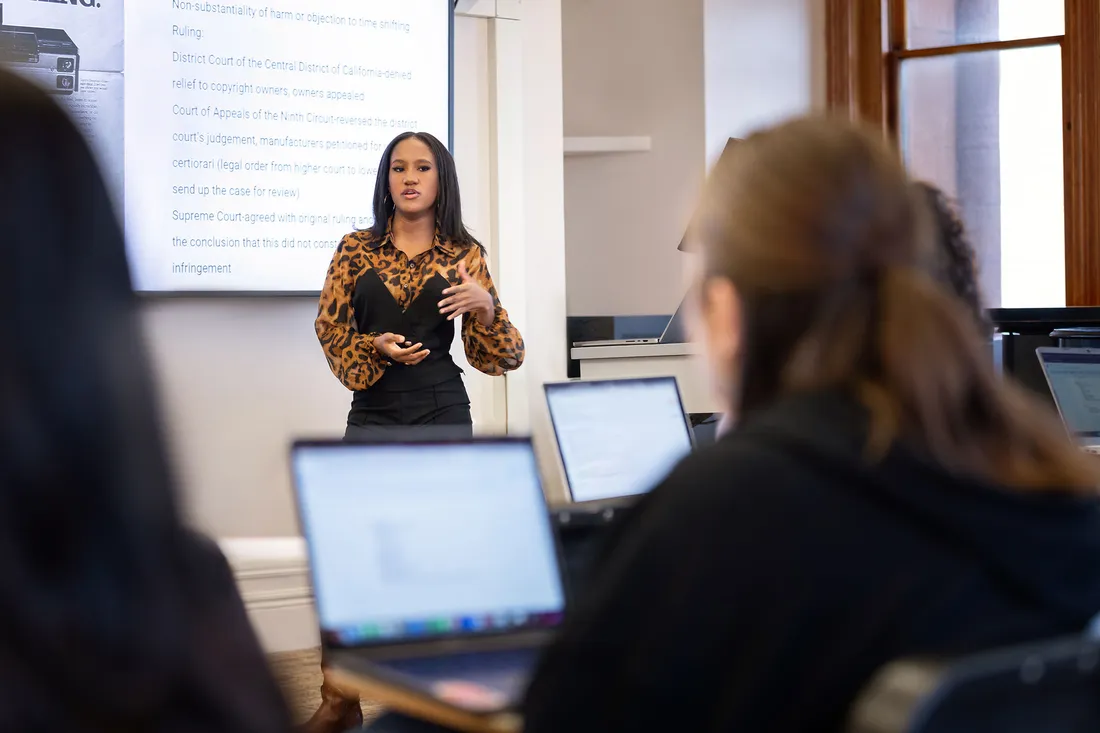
(273, 579)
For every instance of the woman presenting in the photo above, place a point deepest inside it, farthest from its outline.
(393, 293)
(387, 316)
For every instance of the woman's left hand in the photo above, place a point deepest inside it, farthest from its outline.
(468, 297)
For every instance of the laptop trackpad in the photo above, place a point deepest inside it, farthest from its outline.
(476, 681)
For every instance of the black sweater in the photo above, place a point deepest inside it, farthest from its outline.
(219, 682)
(762, 584)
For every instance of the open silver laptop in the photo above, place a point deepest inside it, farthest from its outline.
(618, 437)
(435, 569)
(1073, 376)
(675, 333)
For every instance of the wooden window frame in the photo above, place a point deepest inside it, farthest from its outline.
(865, 44)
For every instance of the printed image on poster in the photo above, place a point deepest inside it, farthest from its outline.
(58, 40)
(74, 50)
(97, 109)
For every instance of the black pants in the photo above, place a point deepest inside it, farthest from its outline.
(441, 410)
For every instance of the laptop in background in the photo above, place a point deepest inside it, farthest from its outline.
(618, 437)
(435, 570)
(1073, 376)
(675, 333)
(725, 159)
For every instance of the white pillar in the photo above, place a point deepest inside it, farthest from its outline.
(544, 223)
(507, 197)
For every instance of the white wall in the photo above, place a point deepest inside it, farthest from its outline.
(544, 225)
(765, 62)
(631, 68)
(689, 75)
(240, 378)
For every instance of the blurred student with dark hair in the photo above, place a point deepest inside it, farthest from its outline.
(954, 256)
(883, 494)
(114, 617)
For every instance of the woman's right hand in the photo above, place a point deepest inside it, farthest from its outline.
(395, 348)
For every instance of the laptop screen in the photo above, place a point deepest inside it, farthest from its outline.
(423, 540)
(618, 437)
(676, 329)
(1074, 378)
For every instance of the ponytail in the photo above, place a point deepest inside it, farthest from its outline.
(937, 390)
(830, 249)
(914, 358)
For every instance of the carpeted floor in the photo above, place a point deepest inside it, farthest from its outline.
(299, 674)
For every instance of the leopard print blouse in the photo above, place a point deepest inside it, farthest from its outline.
(351, 355)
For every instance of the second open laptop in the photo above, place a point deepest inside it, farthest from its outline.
(618, 437)
(1073, 376)
(435, 570)
(675, 333)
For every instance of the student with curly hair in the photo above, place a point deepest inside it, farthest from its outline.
(956, 260)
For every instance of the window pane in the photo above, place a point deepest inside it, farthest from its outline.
(932, 23)
(987, 129)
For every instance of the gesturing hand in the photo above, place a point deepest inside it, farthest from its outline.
(395, 348)
(468, 297)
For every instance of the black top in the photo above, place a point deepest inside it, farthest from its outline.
(377, 312)
(761, 585)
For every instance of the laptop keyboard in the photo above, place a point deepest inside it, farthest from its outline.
(507, 672)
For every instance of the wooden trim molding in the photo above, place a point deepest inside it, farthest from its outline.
(917, 53)
(839, 61)
(896, 39)
(1081, 107)
(855, 68)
